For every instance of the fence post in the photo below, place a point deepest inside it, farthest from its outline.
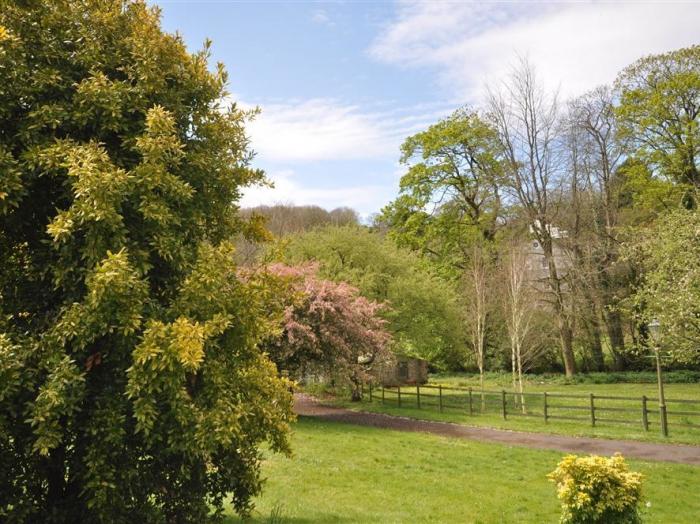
(664, 419)
(440, 396)
(645, 413)
(370, 392)
(546, 415)
(592, 411)
(398, 389)
(471, 409)
(503, 402)
(418, 395)
(382, 393)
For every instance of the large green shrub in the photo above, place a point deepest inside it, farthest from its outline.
(669, 288)
(131, 385)
(597, 490)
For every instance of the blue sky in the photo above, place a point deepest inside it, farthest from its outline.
(341, 84)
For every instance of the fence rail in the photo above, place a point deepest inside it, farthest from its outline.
(589, 408)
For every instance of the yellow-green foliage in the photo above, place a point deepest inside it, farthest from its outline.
(132, 385)
(597, 489)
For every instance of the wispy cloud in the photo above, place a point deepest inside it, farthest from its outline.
(328, 129)
(321, 17)
(354, 147)
(575, 46)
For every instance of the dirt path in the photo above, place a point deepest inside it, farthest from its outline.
(308, 406)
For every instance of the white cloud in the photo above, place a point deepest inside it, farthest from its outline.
(294, 139)
(320, 16)
(326, 129)
(289, 189)
(574, 46)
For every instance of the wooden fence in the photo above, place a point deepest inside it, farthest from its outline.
(591, 409)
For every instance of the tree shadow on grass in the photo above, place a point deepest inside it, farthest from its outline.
(277, 516)
(267, 519)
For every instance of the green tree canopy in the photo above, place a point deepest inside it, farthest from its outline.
(424, 314)
(450, 197)
(669, 290)
(659, 112)
(131, 385)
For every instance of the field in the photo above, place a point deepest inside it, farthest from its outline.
(684, 384)
(456, 407)
(341, 473)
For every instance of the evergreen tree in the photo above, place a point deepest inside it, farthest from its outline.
(131, 385)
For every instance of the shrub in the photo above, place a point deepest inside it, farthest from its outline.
(597, 489)
(132, 386)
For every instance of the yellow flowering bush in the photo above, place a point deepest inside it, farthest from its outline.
(597, 489)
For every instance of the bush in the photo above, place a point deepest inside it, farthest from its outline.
(132, 384)
(597, 489)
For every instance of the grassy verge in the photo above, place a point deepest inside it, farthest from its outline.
(502, 379)
(607, 411)
(342, 473)
(558, 427)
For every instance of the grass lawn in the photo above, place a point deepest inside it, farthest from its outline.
(585, 384)
(343, 473)
(456, 407)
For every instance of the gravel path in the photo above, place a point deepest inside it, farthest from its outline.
(308, 406)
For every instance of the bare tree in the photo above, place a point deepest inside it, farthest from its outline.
(286, 219)
(281, 220)
(518, 307)
(582, 276)
(477, 310)
(593, 114)
(527, 120)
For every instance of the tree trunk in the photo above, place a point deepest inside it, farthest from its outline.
(563, 324)
(567, 349)
(514, 365)
(355, 390)
(481, 383)
(613, 321)
(613, 325)
(56, 485)
(519, 353)
(595, 345)
(477, 275)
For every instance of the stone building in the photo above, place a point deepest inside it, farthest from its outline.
(536, 262)
(400, 370)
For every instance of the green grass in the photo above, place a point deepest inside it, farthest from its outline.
(677, 384)
(503, 379)
(342, 473)
(606, 409)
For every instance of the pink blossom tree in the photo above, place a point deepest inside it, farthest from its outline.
(328, 328)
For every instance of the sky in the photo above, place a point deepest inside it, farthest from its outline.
(341, 84)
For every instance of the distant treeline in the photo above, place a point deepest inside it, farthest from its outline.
(285, 219)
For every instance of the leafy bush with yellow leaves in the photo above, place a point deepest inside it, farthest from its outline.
(133, 387)
(597, 489)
